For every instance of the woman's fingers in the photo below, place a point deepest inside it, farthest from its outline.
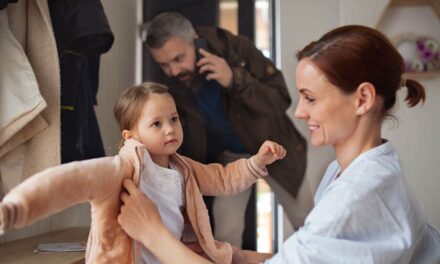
(129, 186)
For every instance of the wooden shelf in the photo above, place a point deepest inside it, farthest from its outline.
(22, 251)
(422, 75)
(410, 2)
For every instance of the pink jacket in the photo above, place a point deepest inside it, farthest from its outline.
(99, 181)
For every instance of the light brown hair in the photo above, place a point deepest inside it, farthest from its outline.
(128, 108)
(351, 55)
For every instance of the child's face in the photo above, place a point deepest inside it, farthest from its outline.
(159, 127)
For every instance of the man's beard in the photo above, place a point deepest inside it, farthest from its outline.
(192, 83)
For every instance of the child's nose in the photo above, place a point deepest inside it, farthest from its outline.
(169, 130)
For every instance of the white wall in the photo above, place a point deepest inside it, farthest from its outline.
(118, 66)
(302, 21)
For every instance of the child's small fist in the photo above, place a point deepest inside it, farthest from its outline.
(269, 152)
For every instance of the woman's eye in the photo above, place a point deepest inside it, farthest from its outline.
(309, 99)
(175, 119)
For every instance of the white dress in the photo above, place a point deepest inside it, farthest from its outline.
(165, 187)
(366, 215)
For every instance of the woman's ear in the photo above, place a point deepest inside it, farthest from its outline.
(126, 134)
(366, 96)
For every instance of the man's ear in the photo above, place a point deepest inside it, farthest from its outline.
(365, 97)
(126, 134)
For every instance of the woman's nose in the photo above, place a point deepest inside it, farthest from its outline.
(300, 112)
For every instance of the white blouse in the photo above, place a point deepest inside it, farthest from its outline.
(366, 215)
(165, 187)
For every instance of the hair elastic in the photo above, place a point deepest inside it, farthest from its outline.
(402, 82)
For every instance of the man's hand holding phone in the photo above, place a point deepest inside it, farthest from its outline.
(215, 68)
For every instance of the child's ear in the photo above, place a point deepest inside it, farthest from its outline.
(126, 134)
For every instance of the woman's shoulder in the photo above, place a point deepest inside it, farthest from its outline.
(375, 176)
(374, 167)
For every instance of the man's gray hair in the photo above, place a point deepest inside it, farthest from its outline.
(168, 25)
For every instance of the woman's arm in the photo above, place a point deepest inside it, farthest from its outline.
(253, 257)
(141, 220)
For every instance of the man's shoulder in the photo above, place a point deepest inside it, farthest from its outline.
(216, 35)
(211, 32)
(222, 42)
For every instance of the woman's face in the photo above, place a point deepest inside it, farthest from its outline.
(330, 114)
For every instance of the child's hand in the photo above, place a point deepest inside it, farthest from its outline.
(268, 153)
(237, 256)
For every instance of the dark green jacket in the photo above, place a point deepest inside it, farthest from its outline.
(256, 106)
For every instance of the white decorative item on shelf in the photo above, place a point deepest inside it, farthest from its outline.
(421, 53)
(412, 26)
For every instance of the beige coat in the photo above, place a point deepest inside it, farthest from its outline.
(30, 126)
(99, 181)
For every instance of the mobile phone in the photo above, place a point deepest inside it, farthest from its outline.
(200, 43)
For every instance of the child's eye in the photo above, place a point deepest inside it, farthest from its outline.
(174, 119)
(156, 124)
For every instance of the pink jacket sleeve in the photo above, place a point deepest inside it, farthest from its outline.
(58, 188)
(215, 179)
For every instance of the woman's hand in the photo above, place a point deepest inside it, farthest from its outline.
(141, 220)
(237, 256)
(139, 216)
(268, 153)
